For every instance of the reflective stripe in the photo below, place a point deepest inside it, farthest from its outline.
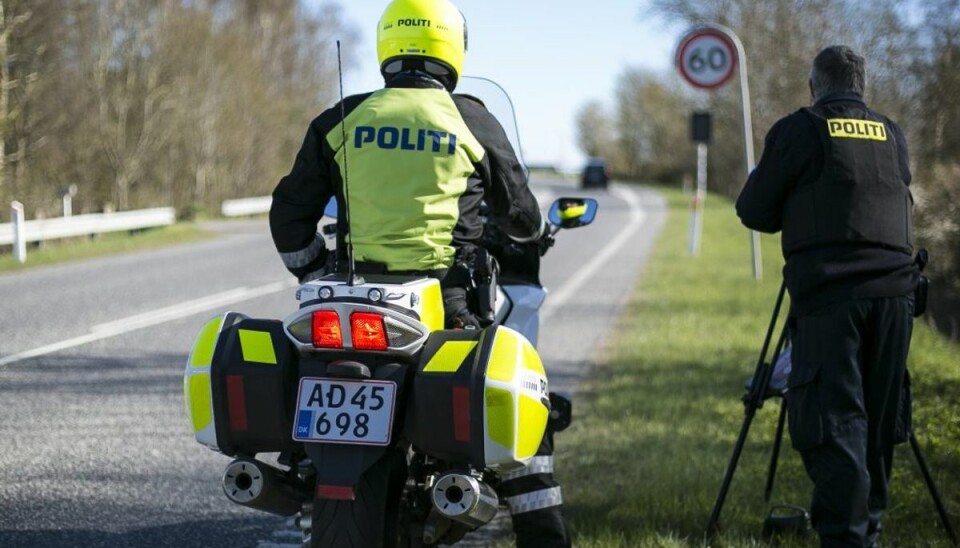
(449, 357)
(298, 259)
(257, 347)
(202, 355)
(537, 465)
(536, 236)
(537, 500)
(201, 406)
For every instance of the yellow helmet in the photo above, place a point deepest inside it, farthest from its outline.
(425, 30)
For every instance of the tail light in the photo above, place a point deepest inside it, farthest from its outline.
(367, 331)
(326, 329)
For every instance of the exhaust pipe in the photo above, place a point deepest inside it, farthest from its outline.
(257, 485)
(463, 498)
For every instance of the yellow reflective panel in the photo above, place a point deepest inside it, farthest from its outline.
(450, 357)
(257, 347)
(533, 422)
(857, 129)
(500, 422)
(531, 359)
(504, 355)
(186, 396)
(206, 343)
(201, 408)
(431, 307)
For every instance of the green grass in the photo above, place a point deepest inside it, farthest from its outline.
(655, 426)
(71, 249)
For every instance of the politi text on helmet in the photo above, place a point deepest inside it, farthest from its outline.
(413, 23)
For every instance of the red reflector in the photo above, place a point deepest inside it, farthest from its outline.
(236, 403)
(335, 492)
(461, 413)
(326, 329)
(367, 331)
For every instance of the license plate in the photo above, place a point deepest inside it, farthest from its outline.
(347, 412)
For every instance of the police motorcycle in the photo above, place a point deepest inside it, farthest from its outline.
(362, 416)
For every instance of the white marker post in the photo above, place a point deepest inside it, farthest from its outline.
(68, 192)
(19, 237)
(706, 57)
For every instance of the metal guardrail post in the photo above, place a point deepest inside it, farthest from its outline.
(19, 238)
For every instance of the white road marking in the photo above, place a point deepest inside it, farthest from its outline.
(556, 299)
(154, 317)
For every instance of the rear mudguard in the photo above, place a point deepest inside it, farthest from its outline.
(340, 466)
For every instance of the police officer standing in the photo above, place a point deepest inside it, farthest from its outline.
(835, 179)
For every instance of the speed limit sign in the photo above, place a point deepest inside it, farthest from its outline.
(706, 58)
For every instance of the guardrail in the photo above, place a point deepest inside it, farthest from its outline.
(83, 225)
(246, 206)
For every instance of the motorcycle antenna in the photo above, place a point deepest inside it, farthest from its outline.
(352, 278)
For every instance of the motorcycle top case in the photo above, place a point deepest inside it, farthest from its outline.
(239, 383)
(479, 397)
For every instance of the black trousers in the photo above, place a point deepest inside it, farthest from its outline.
(844, 399)
(536, 503)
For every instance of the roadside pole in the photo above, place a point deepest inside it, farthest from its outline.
(19, 237)
(67, 193)
(706, 57)
(747, 141)
(700, 130)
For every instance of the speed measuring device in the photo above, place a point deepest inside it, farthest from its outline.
(706, 58)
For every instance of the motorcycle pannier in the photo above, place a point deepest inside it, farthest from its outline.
(237, 386)
(479, 397)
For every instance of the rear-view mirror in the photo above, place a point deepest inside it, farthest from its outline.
(572, 212)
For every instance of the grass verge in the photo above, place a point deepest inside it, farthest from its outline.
(72, 249)
(655, 427)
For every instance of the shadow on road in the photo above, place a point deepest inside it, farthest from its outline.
(210, 533)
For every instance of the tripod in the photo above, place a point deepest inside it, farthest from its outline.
(759, 389)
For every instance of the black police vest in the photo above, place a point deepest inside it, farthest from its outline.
(860, 196)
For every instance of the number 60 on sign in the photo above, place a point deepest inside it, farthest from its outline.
(706, 58)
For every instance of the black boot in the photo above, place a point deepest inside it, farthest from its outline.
(544, 528)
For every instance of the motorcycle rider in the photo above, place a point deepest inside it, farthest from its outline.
(420, 162)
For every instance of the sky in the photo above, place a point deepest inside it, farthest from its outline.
(552, 57)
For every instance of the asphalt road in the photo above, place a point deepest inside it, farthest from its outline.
(95, 448)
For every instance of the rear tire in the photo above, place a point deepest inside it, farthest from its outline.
(369, 521)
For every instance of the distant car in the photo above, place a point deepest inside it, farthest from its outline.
(595, 174)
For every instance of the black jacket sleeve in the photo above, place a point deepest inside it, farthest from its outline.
(301, 197)
(513, 205)
(788, 150)
(298, 203)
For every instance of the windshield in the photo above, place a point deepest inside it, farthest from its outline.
(498, 103)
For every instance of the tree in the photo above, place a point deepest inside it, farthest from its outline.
(937, 176)
(595, 132)
(155, 102)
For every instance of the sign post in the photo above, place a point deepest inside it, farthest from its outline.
(706, 58)
(19, 238)
(700, 130)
